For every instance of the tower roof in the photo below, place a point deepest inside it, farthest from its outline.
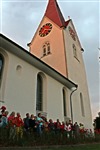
(53, 13)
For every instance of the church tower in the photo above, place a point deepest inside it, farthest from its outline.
(48, 42)
(57, 44)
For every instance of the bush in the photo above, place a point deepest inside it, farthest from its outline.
(47, 138)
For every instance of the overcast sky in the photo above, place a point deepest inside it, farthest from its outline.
(19, 20)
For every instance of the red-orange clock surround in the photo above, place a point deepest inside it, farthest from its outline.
(45, 29)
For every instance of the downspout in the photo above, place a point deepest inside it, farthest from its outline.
(71, 109)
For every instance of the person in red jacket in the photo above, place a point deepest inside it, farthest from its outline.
(12, 126)
(57, 126)
(19, 126)
(62, 126)
(3, 109)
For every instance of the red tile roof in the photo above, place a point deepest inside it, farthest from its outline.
(53, 13)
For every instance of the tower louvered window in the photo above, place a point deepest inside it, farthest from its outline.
(46, 49)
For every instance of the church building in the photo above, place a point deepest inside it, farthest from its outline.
(51, 77)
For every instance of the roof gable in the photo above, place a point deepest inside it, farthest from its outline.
(53, 13)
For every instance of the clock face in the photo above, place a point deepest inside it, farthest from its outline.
(72, 33)
(45, 29)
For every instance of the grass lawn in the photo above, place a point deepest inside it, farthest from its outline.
(73, 147)
(78, 147)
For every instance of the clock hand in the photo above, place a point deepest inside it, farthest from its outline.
(46, 30)
(42, 30)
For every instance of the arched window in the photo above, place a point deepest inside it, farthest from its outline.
(64, 103)
(74, 51)
(46, 49)
(1, 66)
(39, 94)
(82, 105)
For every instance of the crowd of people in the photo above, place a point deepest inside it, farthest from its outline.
(37, 124)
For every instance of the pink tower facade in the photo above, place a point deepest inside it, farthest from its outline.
(48, 42)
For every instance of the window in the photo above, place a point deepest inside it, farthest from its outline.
(74, 51)
(1, 66)
(64, 103)
(82, 105)
(46, 49)
(39, 95)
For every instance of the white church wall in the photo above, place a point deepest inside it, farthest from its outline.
(19, 92)
(55, 101)
(20, 86)
(20, 89)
